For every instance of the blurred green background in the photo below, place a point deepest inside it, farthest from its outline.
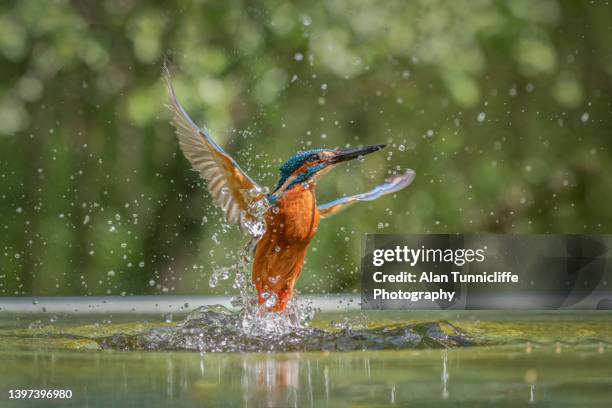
(502, 108)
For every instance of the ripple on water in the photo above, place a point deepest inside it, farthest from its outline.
(217, 329)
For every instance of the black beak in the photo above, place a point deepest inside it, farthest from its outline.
(353, 153)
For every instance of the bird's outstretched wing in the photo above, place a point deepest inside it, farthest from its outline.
(391, 185)
(231, 189)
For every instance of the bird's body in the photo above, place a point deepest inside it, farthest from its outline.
(292, 216)
(291, 223)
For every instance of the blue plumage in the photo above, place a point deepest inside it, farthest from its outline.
(294, 163)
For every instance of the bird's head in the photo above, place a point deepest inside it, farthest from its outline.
(310, 165)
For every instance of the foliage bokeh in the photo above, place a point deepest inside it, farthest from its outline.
(502, 108)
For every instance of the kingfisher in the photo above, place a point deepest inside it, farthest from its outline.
(292, 213)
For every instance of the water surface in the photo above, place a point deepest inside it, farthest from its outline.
(560, 359)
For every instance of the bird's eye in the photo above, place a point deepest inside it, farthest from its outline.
(314, 157)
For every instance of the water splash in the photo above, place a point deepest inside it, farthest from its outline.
(219, 274)
(253, 219)
(254, 319)
(210, 329)
(258, 321)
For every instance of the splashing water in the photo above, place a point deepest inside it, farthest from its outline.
(254, 328)
(254, 319)
(212, 329)
(253, 219)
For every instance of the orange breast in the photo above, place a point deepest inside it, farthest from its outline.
(290, 226)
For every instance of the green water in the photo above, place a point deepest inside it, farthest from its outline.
(523, 359)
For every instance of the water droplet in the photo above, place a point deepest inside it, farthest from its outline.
(270, 299)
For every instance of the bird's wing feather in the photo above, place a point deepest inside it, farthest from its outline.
(231, 189)
(391, 185)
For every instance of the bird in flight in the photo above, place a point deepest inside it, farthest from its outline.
(292, 214)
